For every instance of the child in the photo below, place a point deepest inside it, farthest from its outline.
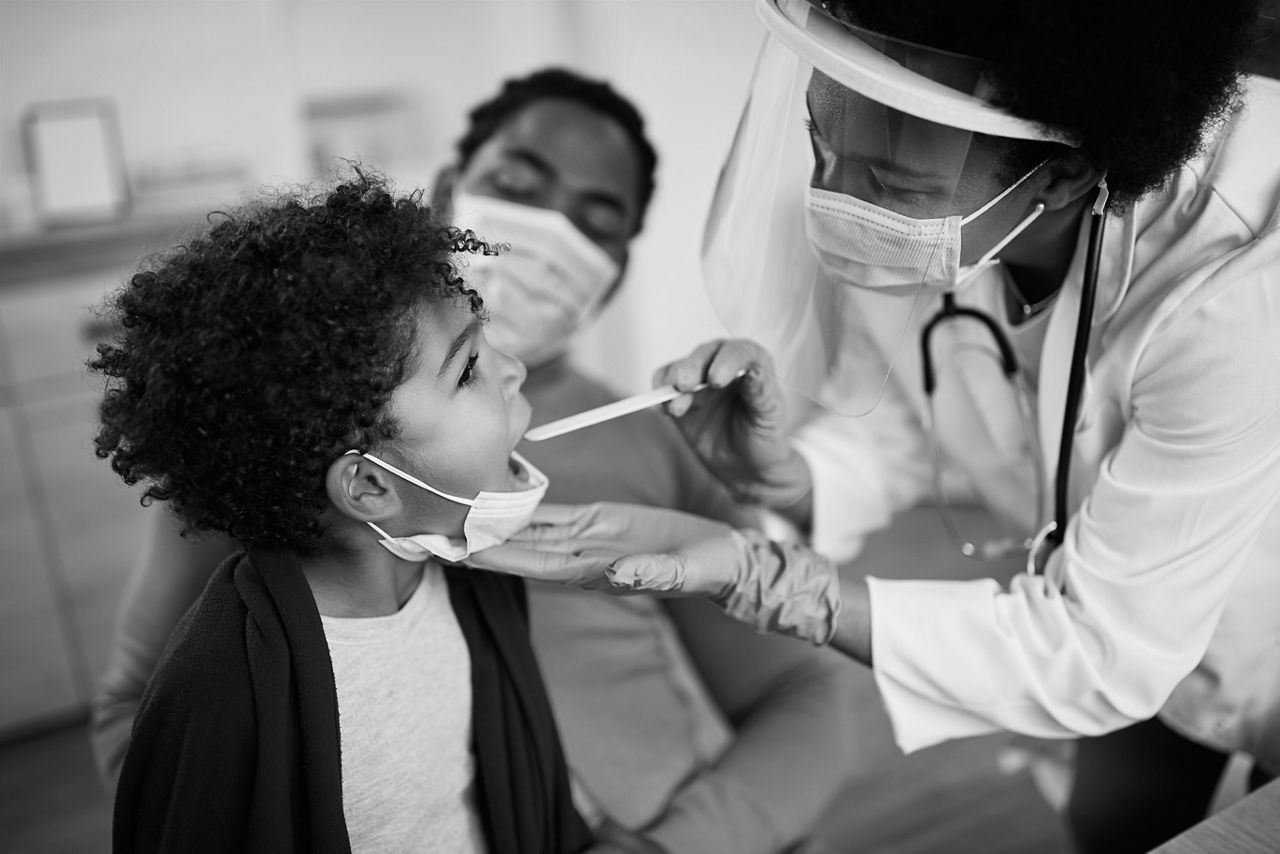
(311, 378)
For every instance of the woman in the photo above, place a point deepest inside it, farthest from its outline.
(923, 257)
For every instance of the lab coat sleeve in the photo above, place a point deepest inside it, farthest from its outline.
(864, 470)
(1129, 602)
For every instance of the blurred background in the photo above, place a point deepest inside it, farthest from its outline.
(122, 123)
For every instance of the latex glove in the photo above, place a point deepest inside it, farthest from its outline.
(575, 544)
(737, 426)
(779, 588)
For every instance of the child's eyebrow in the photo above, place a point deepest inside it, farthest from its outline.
(456, 347)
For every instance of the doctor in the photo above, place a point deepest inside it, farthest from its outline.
(1079, 228)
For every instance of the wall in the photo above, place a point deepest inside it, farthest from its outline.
(217, 98)
(214, 92)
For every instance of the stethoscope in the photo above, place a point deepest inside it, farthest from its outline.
(1048, 538)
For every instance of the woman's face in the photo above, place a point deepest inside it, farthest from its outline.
(911, 166)
(563, 156)
(460, 411)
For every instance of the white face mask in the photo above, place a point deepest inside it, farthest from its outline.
(866, 246)
(541, 289)
(492, 519)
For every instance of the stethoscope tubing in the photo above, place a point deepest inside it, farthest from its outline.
(1051, 535)
(1075, 379)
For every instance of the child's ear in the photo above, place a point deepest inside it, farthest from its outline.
(442, 191)
(361, 490)
(1070, 177)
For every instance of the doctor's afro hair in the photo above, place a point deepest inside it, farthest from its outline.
(488, 117)
(251, 356)
(1140, 84)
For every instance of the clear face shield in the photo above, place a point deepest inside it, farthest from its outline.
(859, 162)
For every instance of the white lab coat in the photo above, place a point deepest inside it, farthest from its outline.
(1165, 597)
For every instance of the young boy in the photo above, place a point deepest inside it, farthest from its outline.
(679, 723)
(311, 378)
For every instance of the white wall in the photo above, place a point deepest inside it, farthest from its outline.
(224, 83)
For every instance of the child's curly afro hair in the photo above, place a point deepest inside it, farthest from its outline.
(252, 356)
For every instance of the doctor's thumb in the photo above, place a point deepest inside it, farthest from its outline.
(653, 572)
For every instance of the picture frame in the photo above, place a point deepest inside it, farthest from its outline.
(75, 162)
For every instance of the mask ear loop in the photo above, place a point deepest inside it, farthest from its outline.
(381, 533)
(404, 474)
(991, 253)
(1007, 190)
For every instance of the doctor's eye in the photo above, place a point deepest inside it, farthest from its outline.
(470, 373)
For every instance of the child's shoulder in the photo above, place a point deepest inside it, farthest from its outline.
(207, 653)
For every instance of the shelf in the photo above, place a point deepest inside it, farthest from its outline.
(60, 251)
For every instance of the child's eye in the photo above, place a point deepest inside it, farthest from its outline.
(469, 373)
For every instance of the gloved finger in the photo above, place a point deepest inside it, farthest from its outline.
(734, 359)
(526, 562)
(655, 573)
(689, 371)
(763, 393)
(553, 525)
(582, 569)
(519, 560)
(557, 514)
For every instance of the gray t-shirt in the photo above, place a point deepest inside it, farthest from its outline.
(404, 715)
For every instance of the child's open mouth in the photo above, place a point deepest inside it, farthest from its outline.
(518, 472)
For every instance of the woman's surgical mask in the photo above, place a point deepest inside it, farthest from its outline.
(867, 246)
(491, 519)
(540, 290)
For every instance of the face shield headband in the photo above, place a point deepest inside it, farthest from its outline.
(865, 128)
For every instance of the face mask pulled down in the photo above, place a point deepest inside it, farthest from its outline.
(866, 246)
(544, 286)
(491, 520)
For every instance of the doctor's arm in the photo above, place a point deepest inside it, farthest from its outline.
(1129, 602)
(170, 573)
(1126, 607)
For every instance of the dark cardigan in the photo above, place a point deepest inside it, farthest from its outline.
(235, 747)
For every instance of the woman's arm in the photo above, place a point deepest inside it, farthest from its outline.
(170, 573)
(790, 706)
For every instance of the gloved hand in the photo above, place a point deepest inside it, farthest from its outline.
(575, 544)
(737, 426)
(780, 588)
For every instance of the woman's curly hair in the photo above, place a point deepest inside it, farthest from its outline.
(1140, 84)
(250, 357)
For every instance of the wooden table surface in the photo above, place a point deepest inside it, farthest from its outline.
(1252, 824)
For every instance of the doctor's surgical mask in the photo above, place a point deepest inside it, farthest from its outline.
(492, 517)
(867, 246)
(541, 290)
